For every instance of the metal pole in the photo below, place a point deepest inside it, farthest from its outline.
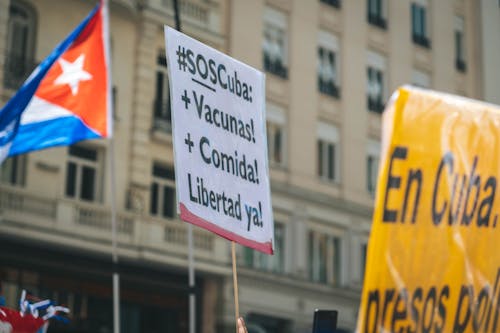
(235, 285)
(191, 277)
(116, 276)
(111, 168)
(192, 295)
(116, 302)
(177, 16)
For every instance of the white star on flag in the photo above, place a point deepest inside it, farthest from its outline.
(73, 73)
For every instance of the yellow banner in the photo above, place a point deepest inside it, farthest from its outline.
(433, 261)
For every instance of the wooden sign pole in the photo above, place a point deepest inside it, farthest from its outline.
(235, 285)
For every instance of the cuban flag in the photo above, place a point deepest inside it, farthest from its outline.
(67, 98)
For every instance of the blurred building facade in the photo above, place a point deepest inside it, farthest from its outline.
(330, 67)
(490, 50)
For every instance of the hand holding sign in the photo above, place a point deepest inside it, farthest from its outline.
(218, 123)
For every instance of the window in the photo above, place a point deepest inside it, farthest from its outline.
(460, 44)
(328, 157)
(363, 260)
(83, 173)
(375, 90)
(275, 43)
(421, 79)
(163, 192)
(326, 160)
(13, 170)
(372, 163)
(376, 13)
(419, 23)
(162, 117)
(372, 173)
(324, 258)
(19, 62)
(275, 143)
(328, 78)
(274, 263)
(276, 138)
(333, 3)
(375, 87)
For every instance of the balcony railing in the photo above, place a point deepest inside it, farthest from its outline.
(377, 20)
(17, 68)
(162, 116)
(328, 88)
(333, 3)
(275, 67)
(422, 41)
(375, 105)
(100, 218)
(15, 200)
(202, 240)
(197, 12)
(58, 221)
(460, 65)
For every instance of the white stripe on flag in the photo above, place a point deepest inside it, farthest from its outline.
(40, 110)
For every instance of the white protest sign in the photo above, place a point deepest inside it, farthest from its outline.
(218, 124)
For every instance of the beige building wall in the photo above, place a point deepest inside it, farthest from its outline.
(4, 17)
(303, 201)
(307, 206)
(490, 47)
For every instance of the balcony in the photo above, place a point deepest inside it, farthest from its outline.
(162, 119)
(205, 15)
(275, 66)
(422, 41)
(377, 20)
(333, 3)
(196, 11)
(375, 105)
(460, 65)
(328, 88)
(87, 226)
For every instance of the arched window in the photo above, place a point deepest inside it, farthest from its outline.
(19, 60)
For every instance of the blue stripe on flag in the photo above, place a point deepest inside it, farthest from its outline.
(40, 135)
